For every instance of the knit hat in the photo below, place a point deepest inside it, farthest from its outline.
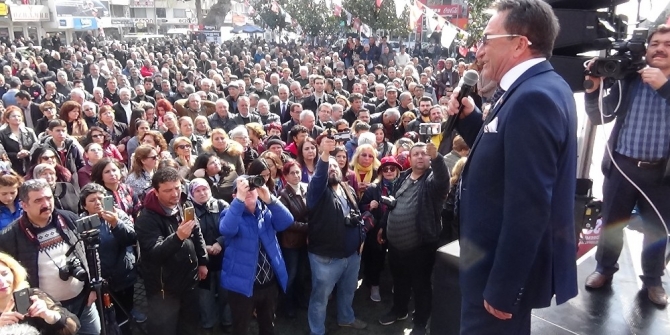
(193, 186)
(272, 140)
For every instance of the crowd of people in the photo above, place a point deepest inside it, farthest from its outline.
(248, 179)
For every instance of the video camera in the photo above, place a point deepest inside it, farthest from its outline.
(628, 60)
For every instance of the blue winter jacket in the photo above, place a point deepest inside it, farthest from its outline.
(242, 231)
(7, 217)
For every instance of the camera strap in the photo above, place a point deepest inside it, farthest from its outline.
(350, 197)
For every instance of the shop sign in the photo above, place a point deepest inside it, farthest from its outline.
(30, 13)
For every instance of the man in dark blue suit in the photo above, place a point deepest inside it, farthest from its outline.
(517, 194)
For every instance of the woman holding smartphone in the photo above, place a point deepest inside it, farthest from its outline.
(33, 307)
(117, 238)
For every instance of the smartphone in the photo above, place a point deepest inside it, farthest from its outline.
(22, 301)
(88, 223)
(108, 203)
(189, 214)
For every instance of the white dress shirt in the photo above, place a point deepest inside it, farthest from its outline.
(514, 73)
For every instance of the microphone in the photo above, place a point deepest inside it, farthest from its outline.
(470, 79)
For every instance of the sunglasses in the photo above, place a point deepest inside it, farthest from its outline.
(184, 146)
(389, 169)
(152, 157)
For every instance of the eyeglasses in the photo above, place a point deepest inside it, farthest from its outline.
(486, 38)
(184, 146)
(152, 157)
(389, 169)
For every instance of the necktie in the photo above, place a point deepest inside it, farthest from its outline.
(318, 102)
(496, 95)
(283, 108)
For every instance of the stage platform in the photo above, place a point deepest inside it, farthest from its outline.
(621, 309)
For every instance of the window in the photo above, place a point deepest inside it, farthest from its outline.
(178, 13)
(161, 13)
(117, 11)
(138, 13)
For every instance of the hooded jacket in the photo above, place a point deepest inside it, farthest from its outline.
(168, 264)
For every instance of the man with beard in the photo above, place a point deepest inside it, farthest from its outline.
(335, 236)
(424, 115)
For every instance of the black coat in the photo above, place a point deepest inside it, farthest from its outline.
(309, 103)
(88, 83)
(12, 145)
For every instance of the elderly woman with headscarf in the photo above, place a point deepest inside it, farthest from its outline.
(214, 307)
(66, 196)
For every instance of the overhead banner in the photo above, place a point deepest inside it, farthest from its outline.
(82, 8)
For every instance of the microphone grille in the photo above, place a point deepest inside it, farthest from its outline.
(470, 78)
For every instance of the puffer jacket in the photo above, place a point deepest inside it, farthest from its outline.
(243, 231)
(295, 236)
(168, 265)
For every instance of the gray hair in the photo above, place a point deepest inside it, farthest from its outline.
(194, 96)
(32, 185)
(245, 98)
(125, 89)
(283, 87)
(337, 107)
(263, 102)
(223, 101)
(78, 92)
(99, 89)
(238, 131)
(19, 328)
(393, 112)
(89, 103)
(305, 113)
(189, 89)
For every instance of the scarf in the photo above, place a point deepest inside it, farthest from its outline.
(358, 169)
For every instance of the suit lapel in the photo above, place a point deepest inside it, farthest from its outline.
(533, 71)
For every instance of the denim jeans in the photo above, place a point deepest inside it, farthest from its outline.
(90, 321)
(214, 303)
(326, 273)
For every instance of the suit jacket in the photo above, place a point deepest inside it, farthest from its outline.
(310, 102)
(120, 113)
(518, 245)
(88, 83)
(251, 117)
(275, 108)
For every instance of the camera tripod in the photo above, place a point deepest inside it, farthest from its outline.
(91, 241)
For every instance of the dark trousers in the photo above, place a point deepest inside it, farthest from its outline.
(173, 314)
(124, 299)
(296, 262)
(263, 300)
(373, 257)
(476, 320)
(619, 199)
(412, 271)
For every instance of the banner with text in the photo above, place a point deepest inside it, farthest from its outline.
(82, 8)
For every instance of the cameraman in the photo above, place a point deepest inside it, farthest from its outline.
(117, 259)
(41, 239)
(640, 147)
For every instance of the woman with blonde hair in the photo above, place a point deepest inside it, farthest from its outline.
(201, 126)
(71, 113)
(182, 149)
(226, 149)
(16, 140)
(256, 136)
(365, 164)
(44, 313)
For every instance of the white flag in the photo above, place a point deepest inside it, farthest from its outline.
(449, 32)
(366, 30)
(400, 6)
(432, 22)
